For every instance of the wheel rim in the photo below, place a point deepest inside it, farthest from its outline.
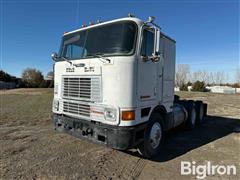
(193, 116)
(155, 135)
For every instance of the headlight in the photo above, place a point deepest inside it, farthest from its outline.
(55, 105)
(110, 114)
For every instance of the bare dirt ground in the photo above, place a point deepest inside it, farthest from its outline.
(31, 149)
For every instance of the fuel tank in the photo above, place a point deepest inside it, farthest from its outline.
(179, 114)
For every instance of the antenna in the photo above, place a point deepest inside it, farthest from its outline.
(77, 14)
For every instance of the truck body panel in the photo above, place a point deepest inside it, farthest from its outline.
(111, 97)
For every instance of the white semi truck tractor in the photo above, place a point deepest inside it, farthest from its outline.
(114, 84)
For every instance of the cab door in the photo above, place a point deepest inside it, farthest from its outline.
(147, 69)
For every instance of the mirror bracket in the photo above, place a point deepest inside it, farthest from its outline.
(155, 58)
(144, 58)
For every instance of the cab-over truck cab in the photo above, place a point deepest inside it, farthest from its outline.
(114, 84)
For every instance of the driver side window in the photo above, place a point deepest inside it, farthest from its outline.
(147, 43)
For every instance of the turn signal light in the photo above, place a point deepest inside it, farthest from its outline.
(128, 115)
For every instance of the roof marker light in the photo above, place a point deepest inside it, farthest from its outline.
(130, 15)
(151, 19)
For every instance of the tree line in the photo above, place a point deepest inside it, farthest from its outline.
(34, 78)
(201, 78)
(30, 78)
(5, 77)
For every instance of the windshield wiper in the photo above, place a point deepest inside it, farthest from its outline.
(65, 59)
(99, 55)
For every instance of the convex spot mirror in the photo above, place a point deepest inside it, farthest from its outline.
(54, 56)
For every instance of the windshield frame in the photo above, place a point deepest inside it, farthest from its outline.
(132, 52)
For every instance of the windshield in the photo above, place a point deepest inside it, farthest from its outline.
(111, 39)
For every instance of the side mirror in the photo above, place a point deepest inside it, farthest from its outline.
(54, 56)
(156, 54)
(157, 41)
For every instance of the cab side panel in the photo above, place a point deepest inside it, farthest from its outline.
(169, 52)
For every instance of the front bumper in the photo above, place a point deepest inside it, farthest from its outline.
(116, 137)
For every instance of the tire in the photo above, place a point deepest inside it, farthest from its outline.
(205, 106)
(153, 137)
(199, 112)
(176, 98)
(191, 110)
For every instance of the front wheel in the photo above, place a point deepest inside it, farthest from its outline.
(153, 139)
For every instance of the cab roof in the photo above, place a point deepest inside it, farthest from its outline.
(134, 19)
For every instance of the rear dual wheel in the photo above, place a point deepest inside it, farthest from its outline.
(196, 111)
(200, 112)
(192, 114)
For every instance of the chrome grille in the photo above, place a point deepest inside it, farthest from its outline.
(82, 88)
(76, 109)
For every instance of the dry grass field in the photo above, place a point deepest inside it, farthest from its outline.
(31, 149)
